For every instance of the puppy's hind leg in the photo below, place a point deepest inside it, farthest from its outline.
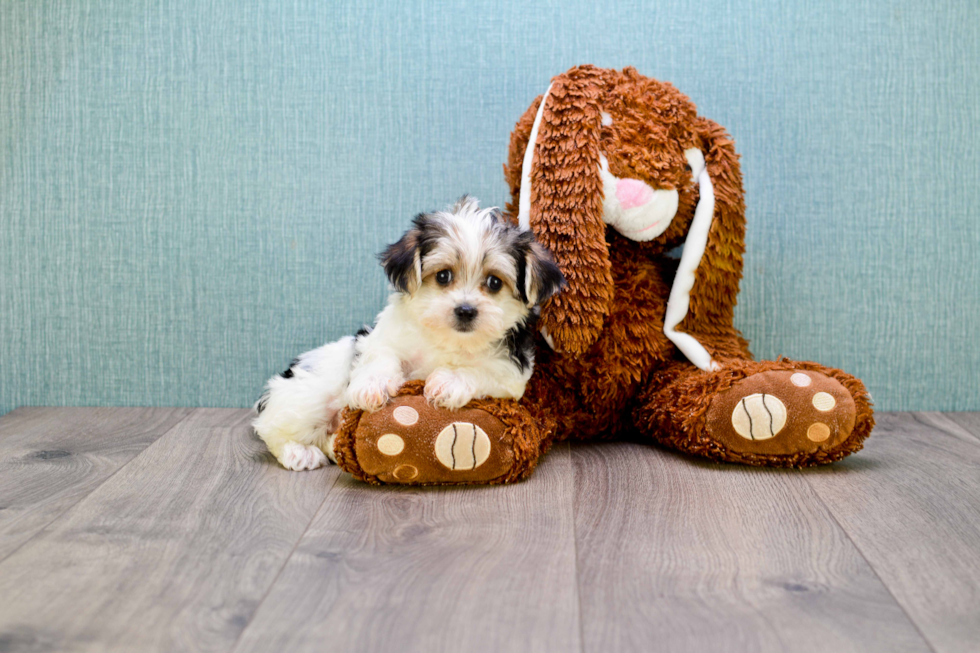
(300, 409)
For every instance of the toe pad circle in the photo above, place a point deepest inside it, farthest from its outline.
(759, 416)
(462, 445)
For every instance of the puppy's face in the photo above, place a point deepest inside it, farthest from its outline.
(468, 276)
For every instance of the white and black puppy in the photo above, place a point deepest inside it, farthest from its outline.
(462, 316)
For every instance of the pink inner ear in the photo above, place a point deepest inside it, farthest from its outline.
(632, 192)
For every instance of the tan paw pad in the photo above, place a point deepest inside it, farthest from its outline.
(405, 415)
(759, 417)
(390, 444)
(410, 441)
(800, 380)
(462, 446)
(818, 432)
(823, 401)
(405, 473)
(782, 413)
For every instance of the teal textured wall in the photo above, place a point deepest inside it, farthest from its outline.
(191, 192)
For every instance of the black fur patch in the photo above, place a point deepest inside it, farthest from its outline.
(398, 259)
(288, 373)
(547, 274)
(550, 279)
(363, 332)
(429, 230)
(520, 343)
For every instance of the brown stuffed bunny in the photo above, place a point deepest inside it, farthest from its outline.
(612, 171)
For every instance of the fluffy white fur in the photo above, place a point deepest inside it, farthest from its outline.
(466, 284)
(301, 412)
(414, 339)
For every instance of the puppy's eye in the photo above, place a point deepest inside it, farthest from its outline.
(494, 284)
(444, 277)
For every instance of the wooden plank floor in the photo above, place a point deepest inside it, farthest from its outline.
(172, 529)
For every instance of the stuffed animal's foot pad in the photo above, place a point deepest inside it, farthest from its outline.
(462, 446)
(299, 457)
(782, 413)
(412, 442)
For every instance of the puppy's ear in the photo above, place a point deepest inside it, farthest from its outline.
(542, 277)
(402, 260)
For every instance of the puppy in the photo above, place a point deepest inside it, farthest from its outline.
(466, 286)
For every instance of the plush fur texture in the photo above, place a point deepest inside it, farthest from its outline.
(613, 370)
(605, 367)
(466, 288)
(527, 433)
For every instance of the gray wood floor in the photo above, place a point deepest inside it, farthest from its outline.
(156, 529)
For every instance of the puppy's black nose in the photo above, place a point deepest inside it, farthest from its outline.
(465, 312)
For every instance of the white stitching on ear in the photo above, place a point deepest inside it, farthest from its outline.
(524, 201)
(697, 240)
(695, 159)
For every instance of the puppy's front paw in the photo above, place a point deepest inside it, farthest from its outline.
(297, 457)
(371, 392)
(447, 389)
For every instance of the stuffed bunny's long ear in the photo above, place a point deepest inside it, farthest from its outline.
(703, 296)
(561, 202)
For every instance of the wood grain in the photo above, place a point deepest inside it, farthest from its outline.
(174, 552)
(402, 569)
(51, 458)
(677, 554)
(969, 421)
(197, 543)
(911, 503)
